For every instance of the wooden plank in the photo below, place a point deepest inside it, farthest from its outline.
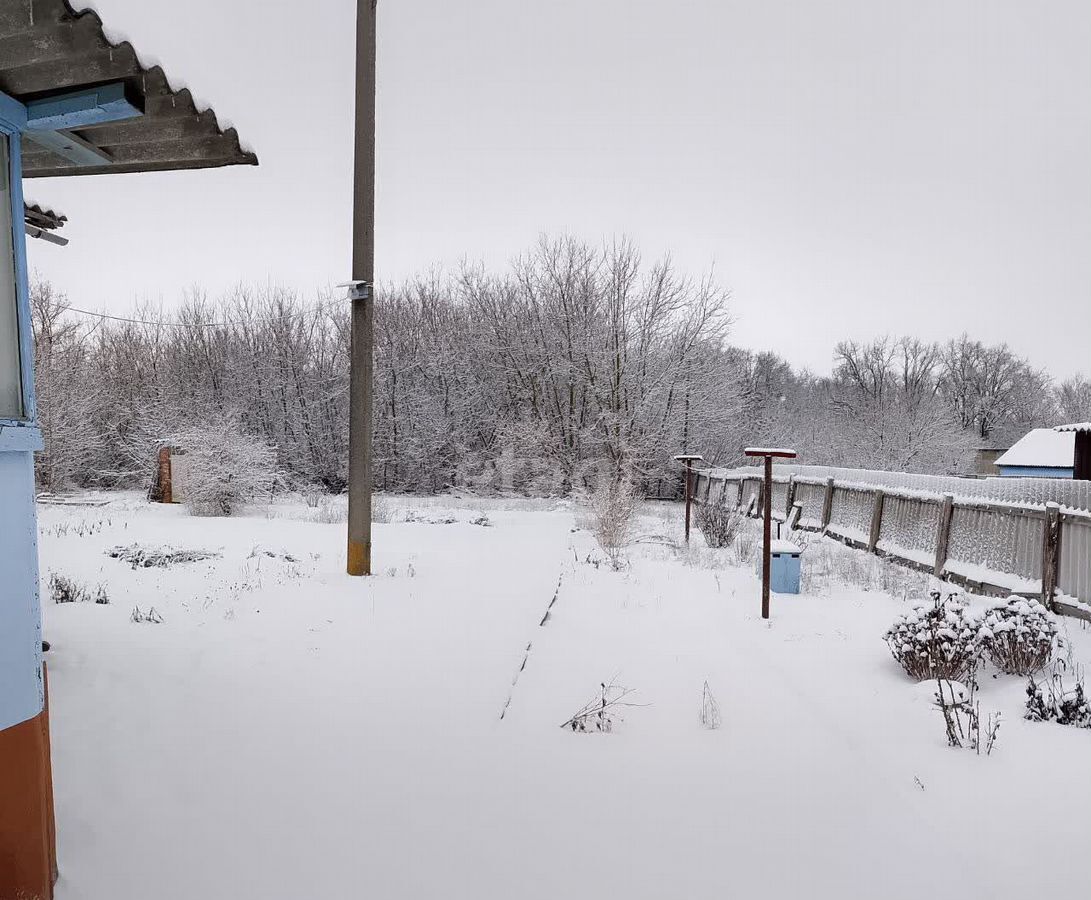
(876, 521)
(943, 533)
(75, 109)
(827, 504)
(790, 499)
(1069, 609)
(1051, 553)
(70, 146)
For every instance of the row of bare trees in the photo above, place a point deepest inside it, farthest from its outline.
(576, 355)
(910, 405)
(575, 358)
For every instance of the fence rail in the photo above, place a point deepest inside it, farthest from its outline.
(995, 545)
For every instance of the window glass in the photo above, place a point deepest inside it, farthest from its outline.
(11, 389)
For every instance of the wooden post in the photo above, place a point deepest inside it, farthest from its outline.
(1051, 553)
(943, 534)
(791, 497)
(876, 521)
(827, 504)
(742, 485)
(767, 537)
(767, 525)
(687, 459)
(689, 494)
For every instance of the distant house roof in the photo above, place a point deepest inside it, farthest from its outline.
(1075, 426)
(1042, 447)
(46, 46)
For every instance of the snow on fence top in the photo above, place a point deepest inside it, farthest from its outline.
(1037, 491)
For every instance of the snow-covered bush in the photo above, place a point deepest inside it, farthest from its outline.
(1052, 700)
(63, 589)
(940, 639)
(226, 467)
(961, 712)
(613, 508)
(1020, 636)
(719, 524)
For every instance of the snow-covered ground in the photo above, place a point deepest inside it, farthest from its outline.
(289, 732)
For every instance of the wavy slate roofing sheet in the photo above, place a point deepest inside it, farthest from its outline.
(46, 46)
(43, 217)
(1041, 447)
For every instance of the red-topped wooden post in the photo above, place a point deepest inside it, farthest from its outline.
(689, 459)
(768, 454)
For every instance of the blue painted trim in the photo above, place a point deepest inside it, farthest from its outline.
(20, 436)
(77, 109)
(13, 115)
(12, 112)
(70, 146)
(22, 280)
(1035, 472)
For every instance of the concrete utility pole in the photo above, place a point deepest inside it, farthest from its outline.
(363, 274)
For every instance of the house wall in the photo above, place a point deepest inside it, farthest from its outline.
(21, 693)
(1082, 468)
(985, 461)
(1034, 472)
(27, 834)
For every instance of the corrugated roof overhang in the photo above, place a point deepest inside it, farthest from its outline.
(46, 47)
(38, 216)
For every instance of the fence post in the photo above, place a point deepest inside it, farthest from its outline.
(689, 494)
(827, 504)
(1051, 552)
(791, 497)
(742, 488)
(943, 533)
(876, 521)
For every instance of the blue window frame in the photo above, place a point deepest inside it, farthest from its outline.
(17, 354)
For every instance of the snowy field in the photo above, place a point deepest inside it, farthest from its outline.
(288, 732)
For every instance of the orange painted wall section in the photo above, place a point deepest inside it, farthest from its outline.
(28, 856)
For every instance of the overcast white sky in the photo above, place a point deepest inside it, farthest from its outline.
(850, 167)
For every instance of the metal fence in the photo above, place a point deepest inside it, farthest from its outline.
(975, 533)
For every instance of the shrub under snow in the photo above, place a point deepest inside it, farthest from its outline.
(226, 467)
(936, 640)
(1020, 636)
(1052, 700)
(719, 524)
(613, 508)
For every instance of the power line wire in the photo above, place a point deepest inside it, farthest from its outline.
(225, 324)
